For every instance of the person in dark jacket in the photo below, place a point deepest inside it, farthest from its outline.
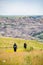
(25, 45)
(15, 47)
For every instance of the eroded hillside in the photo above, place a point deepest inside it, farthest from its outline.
(26, 27)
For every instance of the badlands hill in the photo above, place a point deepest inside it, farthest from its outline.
(26, 27)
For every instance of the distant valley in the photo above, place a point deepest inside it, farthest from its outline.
(26, 27)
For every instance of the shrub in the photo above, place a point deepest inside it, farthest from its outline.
(29, 49)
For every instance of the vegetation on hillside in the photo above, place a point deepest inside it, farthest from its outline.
(32, 55)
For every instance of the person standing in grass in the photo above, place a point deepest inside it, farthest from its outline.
(15, 47)
(25, 45)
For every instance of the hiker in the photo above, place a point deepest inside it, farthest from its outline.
(15, 47)
(25, 45)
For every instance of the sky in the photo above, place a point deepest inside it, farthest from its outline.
(21, 7)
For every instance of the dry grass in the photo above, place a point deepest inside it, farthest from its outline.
(21, 57)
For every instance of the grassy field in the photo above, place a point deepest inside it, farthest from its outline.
(32, 55)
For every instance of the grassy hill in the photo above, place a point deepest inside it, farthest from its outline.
(33, 55)
(8, 42)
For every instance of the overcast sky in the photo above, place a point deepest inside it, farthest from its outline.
(21, 7)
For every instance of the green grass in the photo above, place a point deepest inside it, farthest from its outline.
(32, 55)
(8, 42)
